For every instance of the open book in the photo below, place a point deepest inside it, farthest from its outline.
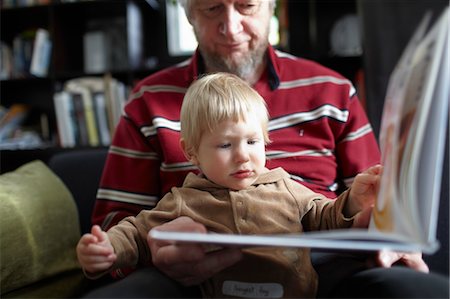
(412, 140)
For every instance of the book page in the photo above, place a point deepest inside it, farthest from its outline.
(332, 240)
(414, 120)
(388, 201)
(431, 156)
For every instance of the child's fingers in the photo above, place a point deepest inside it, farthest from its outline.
(99, 233)
(87, 239)
(96, 249)
(89, 245)
(365, 182)
(96, 264)
(96, 268)
(362, 219)
(102, 236)
(376, 169)
(95, 259)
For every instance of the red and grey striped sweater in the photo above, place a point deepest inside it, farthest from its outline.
(320, 134)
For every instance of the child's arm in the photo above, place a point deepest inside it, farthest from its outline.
(363, 192)
(95, 252)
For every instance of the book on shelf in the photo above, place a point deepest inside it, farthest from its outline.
(22, 47)
(95, 52)
(85, 111)
(12, 119)
(31, 53)
(22, 3)
(101, 111)
(80, 117)
(135, 38)
(114, 93)
(105, 45)
(412, 140)
(65, 118)
(42, 47)
(89, 107)
(6, 61)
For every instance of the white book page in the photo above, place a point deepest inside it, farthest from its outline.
(332, 240)
(432, 154)
(389, 201)
(412, 125)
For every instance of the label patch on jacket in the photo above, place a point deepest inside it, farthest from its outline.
(252, 290)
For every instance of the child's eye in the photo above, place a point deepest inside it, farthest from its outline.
(252, 141)
(224, 145)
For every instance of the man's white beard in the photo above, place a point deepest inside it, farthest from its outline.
(244, 69)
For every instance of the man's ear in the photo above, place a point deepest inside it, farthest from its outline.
(188, 152)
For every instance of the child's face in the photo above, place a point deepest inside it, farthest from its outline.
(233, 155)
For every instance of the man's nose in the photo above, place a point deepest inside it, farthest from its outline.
(231, 22)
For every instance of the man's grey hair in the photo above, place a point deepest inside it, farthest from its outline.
(185, 4)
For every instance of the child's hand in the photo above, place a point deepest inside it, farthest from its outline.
(364, 191)
(95, 252)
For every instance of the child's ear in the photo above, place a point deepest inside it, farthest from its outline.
(188, 152)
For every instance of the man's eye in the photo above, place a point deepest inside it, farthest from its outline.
(248, 8)
(212, 11)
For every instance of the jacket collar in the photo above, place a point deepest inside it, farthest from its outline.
(200, 182)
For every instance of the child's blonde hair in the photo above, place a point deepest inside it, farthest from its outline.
(217, 97)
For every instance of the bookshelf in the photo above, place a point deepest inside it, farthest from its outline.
(67, 24)
(311, 25)
(124, 22)
(141, 42)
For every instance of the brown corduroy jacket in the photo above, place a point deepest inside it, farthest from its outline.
(274, 204)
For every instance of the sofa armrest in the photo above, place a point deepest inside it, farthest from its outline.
(81, 170)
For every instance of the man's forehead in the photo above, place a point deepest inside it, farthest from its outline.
(205, 2)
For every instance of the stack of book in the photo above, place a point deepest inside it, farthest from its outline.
(29, 55)
(88, 110)
(22, 3)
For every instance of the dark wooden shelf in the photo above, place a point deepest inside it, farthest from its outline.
(309, 25)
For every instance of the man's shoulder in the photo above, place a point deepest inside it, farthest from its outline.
(174, 75)
(302, 67)
(169, 82)
(159, 95)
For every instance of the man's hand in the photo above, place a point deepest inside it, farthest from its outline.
(189, 264)
(387, 259)
(369, 183)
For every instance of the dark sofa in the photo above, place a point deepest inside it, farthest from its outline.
(80, 170)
